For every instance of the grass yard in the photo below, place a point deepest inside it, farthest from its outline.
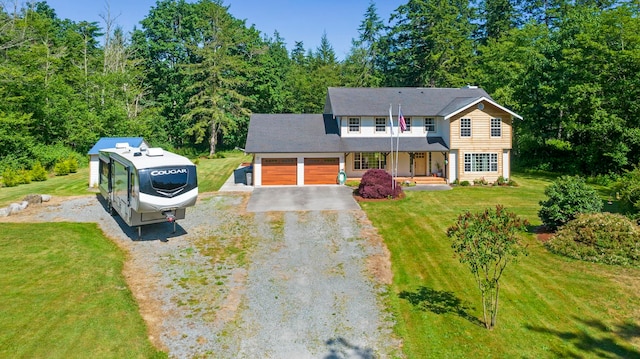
(549, 306)
(63, 293)
(212, 173)
(64, 296)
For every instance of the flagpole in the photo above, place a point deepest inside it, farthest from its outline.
(398, 139)
(393, 182)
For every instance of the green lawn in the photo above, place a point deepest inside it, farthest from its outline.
(64, 296)
(550, 306)
(212, 173)
(62, 290)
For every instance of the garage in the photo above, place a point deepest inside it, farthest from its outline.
(279, 171)
(321, 170)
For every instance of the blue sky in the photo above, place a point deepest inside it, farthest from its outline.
(295, 20)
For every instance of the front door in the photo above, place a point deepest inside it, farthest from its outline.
(421, 164)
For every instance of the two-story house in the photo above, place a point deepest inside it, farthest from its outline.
(453, 133)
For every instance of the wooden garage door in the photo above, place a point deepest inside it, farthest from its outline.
(321, 170)
(279, 171)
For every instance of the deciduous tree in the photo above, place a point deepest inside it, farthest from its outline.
(487, 242)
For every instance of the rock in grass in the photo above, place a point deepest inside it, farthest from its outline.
(33, 198)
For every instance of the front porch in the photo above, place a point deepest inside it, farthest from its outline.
(412, 180)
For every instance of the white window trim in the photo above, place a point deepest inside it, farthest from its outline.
(357, 157)
(499, 127)
(470, 128)
(383, 124)
(435, 128)
(493, 160)
(349, 124)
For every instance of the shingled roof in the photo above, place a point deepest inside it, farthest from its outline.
(284, 133)
(420, 101)
(290, 133)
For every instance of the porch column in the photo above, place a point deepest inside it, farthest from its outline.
(411, 158)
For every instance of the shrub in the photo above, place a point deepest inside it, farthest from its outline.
(480, 182)
(602, 237)
(72, 163)
(628, 192)
(378, 184)
(568, 197)
(10, 177)
(501, 181)
(24, 176)
(38, 173)
(61, 168)
(465, 183)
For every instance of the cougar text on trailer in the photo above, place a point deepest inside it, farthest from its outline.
(147, 185)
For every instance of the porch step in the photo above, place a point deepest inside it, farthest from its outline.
(415, 180)
(423, 180)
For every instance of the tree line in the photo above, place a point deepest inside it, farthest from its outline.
(191, 75)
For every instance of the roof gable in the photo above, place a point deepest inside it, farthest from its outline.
(110, 142)
(460, 104)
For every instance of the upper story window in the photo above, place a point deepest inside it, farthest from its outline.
(496, 127)
(407, 121)
(381, 125)
(429, 125)
(465, 127)
(354, 124)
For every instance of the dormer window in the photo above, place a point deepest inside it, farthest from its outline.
(381, 125)
(354, 124)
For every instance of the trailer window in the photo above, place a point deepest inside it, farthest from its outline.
(104, 172)
(167, 181)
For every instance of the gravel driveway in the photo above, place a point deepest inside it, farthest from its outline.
(232, 284)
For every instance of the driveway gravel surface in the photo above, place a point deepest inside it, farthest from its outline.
(236, 284)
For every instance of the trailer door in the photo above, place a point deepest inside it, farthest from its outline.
(121, 193)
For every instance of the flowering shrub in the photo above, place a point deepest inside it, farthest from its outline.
(378, 184)
(603, 237)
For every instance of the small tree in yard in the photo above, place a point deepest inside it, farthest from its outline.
(487, 242)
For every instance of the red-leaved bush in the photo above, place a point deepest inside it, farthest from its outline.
(378, 184)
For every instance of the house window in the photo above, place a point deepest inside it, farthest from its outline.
(481, 162)
(354, 124)
(381, 125)
(429, 125)
(496, 127)
(407, 122)
(369, 160)
(465, 127)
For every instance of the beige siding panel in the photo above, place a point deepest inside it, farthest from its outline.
(481, 140)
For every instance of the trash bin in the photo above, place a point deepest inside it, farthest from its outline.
(249, 178)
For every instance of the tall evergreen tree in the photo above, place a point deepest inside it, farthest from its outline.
(430, 44)
(360, 66)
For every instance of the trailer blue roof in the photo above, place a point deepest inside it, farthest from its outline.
(110, 142)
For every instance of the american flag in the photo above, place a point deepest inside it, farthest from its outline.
(401, 122)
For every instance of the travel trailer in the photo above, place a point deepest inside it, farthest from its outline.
(147, 185)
